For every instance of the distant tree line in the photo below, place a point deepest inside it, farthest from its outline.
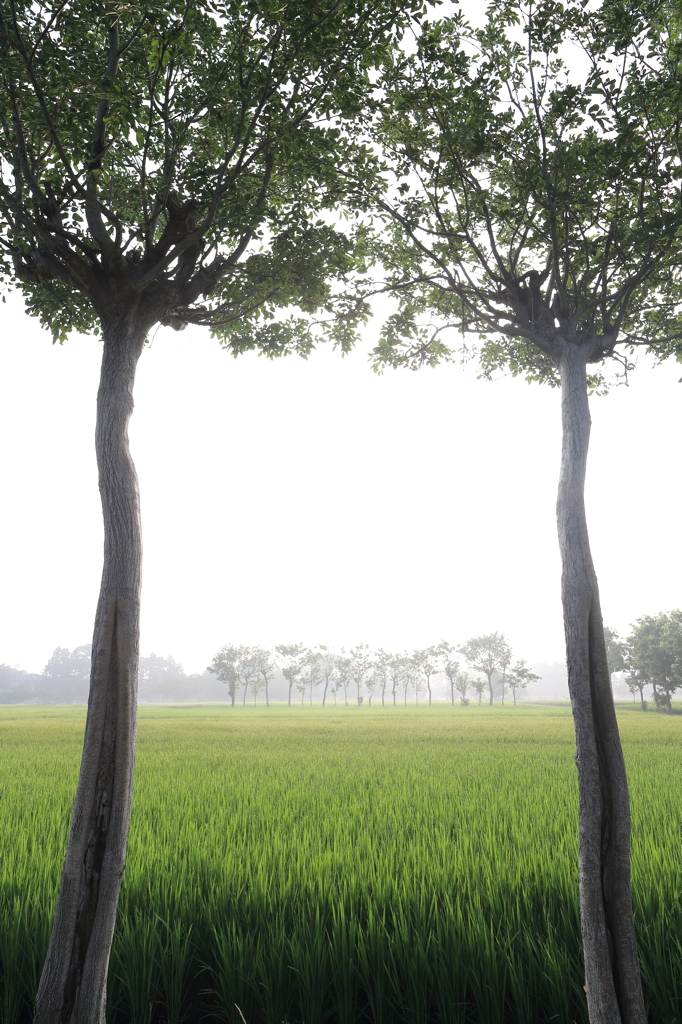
(648, 661)
(361, 674)
(65, 679)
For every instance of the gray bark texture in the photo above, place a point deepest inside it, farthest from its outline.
(73, 983)
(612, 975)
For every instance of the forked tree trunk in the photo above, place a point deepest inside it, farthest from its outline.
(612, 976)
(73, 983)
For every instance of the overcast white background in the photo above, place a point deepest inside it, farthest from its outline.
(315, 501)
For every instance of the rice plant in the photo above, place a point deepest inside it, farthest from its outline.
(406, 866)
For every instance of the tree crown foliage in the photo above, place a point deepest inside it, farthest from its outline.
(193, 169)
(532, 186)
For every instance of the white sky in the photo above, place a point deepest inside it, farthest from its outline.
(316, 501)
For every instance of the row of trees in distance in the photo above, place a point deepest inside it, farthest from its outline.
(375, 675)
(648, 662)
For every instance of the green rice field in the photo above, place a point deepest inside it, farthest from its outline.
(350, 866)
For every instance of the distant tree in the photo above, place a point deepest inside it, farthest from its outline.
(225, 666)
(417, 680)
(381, 673)
(265, 665)
(396, 670)
(519, 676)
(458, 680)
(406, 675)
(70, 671)
(247, 667)
(461, 683)
(360, 664)
(343, 667)
(487, 654)
(655, 654)
(371, 683)
(426, 661)
(615, 652)
(312, 673)
(328, 670)
(449, 665)
(636, 682)
(291, 662)
(479, 686)
(505, 662)
(155, 668)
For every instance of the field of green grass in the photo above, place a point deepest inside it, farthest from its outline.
(348, 865)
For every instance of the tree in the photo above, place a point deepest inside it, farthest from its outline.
(504, 667)
(292, 658)
(225, 665)
(328, 669)
(312, 675)
(450, 666)
(266, 668)
(461, 682)
(538, 209)
(615, 652)
(396, 670)
(153, 668)
(159, 676)
(360, 663)
(185, 181)
(457, 679)
(427, 663)
(489, 654)
(406, 675)
(70, 671)
(655, 655)
(247, 669)
(479, 686)
(519, 676)
(345, 674)
(635, 684)
(381, 673)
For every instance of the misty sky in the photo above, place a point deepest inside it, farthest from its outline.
(316, 501)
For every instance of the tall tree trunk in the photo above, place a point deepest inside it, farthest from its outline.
(73, 983)
(490, 687)
(612, 976)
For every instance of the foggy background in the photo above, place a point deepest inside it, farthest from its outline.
(314, 501)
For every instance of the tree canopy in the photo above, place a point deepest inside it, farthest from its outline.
(193, 162)
(533, 187)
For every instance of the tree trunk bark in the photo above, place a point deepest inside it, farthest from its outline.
(73, 984)
(612, 975)
(490, 687)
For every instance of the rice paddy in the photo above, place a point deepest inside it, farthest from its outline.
(408, 866)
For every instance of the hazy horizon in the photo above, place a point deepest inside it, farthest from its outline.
(314, 501)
